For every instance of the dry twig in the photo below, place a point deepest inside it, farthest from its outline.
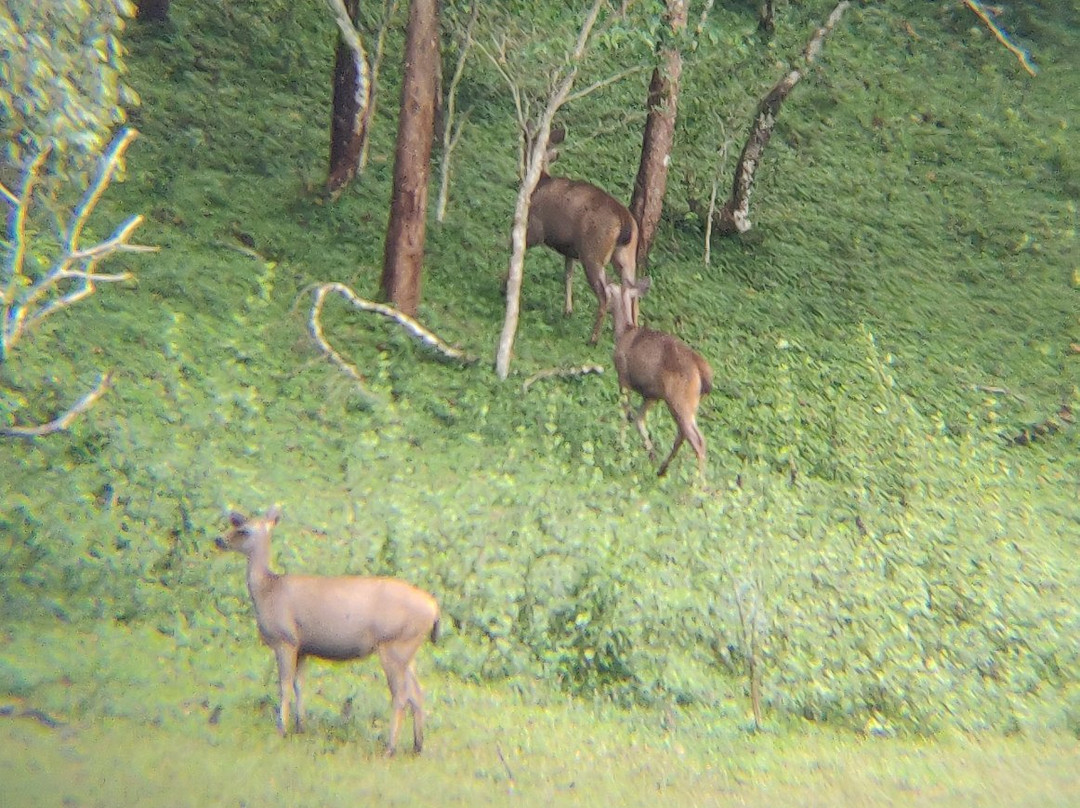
(560, 373)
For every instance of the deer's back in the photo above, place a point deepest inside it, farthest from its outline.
(659, 365)
(578, 220)
(345, 617)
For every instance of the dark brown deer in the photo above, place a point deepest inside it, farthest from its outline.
(336, 618)
(583, 223)
(659, 367)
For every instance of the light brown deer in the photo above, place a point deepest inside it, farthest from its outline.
(659, 367)
(583, 223)
(335, 618)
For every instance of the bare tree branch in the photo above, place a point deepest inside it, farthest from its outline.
(453, 127)
(27, 297)
(109, 164)
(597, 85)
(560, 373)
(61, 422)
(29, 293)
(999, 34)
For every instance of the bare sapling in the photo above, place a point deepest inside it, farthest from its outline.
(583, 223)
(336, 618)
(659, 367)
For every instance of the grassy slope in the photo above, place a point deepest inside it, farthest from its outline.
(919, 190)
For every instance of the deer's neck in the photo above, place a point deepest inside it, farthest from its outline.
(259, 576)
(621, 325)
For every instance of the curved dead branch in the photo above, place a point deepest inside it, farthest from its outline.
(415, 329)
(63, 421)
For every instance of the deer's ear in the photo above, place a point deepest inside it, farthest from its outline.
(643, 286)
(273, 516)
(236, 518)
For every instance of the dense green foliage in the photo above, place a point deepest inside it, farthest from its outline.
(901, 312)
(60, 81)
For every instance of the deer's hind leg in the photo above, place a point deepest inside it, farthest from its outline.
(667, 460)
(416, 702)
(598, 281)
(397, 662)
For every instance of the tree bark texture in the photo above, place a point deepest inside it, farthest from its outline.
(404, 254)
(647, 202)
(349, 121)
(766, 17)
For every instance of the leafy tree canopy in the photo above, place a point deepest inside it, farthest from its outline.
(61, 88)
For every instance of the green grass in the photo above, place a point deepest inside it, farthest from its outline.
(146, 722)
(568, 756)
(902, 309)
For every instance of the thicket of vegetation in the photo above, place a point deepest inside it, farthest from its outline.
(888, 535)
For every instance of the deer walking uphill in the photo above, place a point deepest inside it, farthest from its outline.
(659, 367)
(335, 618)
(583, 223)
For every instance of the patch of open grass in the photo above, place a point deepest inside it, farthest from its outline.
(197, 729)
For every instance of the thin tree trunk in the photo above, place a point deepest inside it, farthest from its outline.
(351, 102)
(449, 128)
(647, 202)
(734, 216)
(533, 164)
(404, 254)
(373, 97)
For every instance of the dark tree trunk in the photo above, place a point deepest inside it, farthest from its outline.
(152, 11)
(349, 121)
(766, 20)
(647, 202)
(404, 255)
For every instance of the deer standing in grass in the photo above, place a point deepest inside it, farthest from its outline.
(583, 223)
(335, 618)
(659, 367)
